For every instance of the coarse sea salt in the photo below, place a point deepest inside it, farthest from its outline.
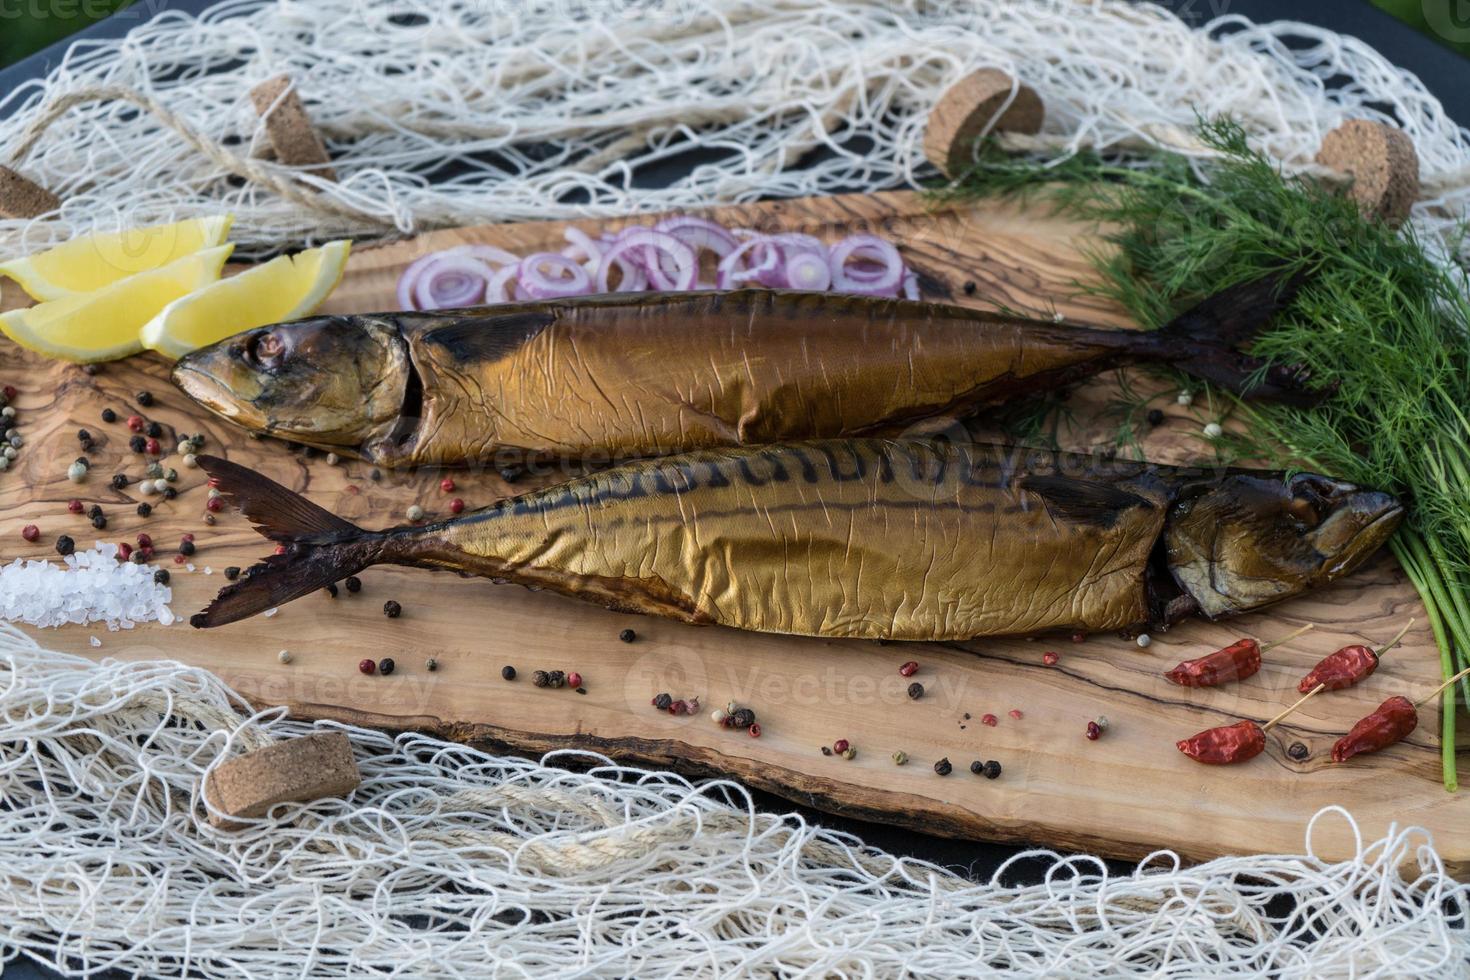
(90, 587)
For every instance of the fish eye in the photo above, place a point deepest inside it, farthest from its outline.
(265, 349)
(1305, 511)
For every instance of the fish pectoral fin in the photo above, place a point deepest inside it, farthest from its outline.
(488, 336)
(1086, 501)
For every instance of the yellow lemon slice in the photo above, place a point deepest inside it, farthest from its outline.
(105, 325)
(94, 261)
(284, 288)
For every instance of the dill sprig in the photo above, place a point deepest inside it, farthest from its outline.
(1378, 318)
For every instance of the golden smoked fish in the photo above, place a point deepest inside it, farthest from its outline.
(875, 538)
(616, 376)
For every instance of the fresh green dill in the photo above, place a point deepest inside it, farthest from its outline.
(1379, 322)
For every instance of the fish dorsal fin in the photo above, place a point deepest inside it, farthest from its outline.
(1086, 501)
(486, 336)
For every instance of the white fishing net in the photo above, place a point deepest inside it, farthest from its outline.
(451, 862)
(470, 111)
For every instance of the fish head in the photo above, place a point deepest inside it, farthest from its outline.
(1252, 539)
(336, 382)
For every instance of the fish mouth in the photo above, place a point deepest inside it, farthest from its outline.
(208, 390)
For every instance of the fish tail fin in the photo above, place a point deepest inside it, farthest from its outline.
(1205, 341)
(320, 547)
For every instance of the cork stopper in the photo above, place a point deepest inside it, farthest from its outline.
(21, 197)
(291, 133)
(1382, 162)
(969, 106)
(292, 771)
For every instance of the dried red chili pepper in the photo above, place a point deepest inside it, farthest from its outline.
(1236, 662)
(1345, 667)
(1385, 725)
(1234, 743)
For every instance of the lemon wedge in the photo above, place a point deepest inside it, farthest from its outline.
(94, 261)
(284, 288)
(106, 324)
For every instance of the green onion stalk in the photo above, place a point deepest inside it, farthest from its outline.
(1381, 324)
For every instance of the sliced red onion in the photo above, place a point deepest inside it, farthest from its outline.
(699, 233)
(809, 271)
(582, 245)
(452, 279)
(547, 275)
(488, 254)
(884, 280)
(910, 285)
(495, 291)
(734, 272)
(669, 263)
(409, 280)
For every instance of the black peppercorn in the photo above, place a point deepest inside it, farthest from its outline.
(742, 718)
(95, 511)
(1155, 416)
(65, 545)
(169, 493)
(140, 557)
(145, 509)
(186, 547)
(662, 701)
(969, 287)
(99, 522)
(992, 769)
(385, 666)
(161, 576)
(119, 481)
(137, 444)
(943, 767)
(916, 690)
(145, 398)
(627, 636)
(108, 415)
(154, 430)
(1298, 751)
(540, 678)
(977, 767)
(232, 572)
(83, 436)
(556, 678)
(331, 590)
(392, 609)
(826, 750)
(353, 583)
(508, 673)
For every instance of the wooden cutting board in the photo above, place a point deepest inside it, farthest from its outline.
(1124, 795)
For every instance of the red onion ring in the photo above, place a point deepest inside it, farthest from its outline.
(809, 271)
(654, 246)
(583, 244)
(572, 281)
(410, 278)
(451, 280)
(733, 272)
(884, 281)
(495, 291)
(488, 254)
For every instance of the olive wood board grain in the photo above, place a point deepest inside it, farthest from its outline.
(1124, 795)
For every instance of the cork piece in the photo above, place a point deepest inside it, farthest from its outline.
(1382, 162)
(292, 135)
(292, 771)
(965, 110)
(21, 197)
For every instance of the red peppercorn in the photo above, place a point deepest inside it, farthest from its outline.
(124, 551)
(446, 485)
(188, 536)
(678, 707)
(10, 393)
(75, 506)
(754, 730)
(840, 746)
(214, 482)
(574, 679)
(456, 506)
(367, 665)
(1094, 731)
(144, 540)
(152, 447)
(30, 532)
(1016, 714)
(1079, 637)
(135, 422)
(146, 552)
(214, 504)
(180, 559)
(909, 669)
(990, 720)
(1050, 658)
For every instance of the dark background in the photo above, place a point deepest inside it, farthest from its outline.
(1432, 55)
